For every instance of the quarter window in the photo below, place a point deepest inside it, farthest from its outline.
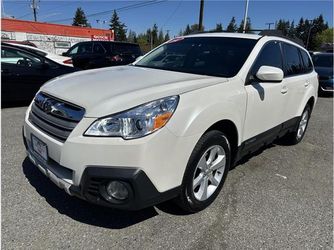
(294, 65)
(308, 67)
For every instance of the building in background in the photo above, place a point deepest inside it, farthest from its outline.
(54, 38)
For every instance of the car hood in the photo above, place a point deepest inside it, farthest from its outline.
(324, 71)
(109, 90)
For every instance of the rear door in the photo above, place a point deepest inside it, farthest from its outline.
(296, 79)
(266, 101)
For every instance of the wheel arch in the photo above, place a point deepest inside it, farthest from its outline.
(231, 132)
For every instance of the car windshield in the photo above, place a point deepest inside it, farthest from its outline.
(214, 56)
(323, 61)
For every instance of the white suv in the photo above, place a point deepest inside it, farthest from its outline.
(173, 123)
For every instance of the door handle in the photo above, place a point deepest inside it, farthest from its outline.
(307, 83)
(284, 90)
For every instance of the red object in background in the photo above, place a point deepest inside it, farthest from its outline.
(101, 38)
(14, 25)
(69, 61)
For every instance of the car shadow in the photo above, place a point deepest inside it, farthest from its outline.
(81, 210)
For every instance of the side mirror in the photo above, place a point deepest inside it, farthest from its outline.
(270, 74)
(44, 65)
(64, 54)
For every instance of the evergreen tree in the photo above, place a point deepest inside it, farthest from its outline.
(118, 27)
(283, 26)
(155, 32)
(80, 18)
(161, 37)
(187, 31)
(166, 37)
(248, 26)
(232, 27)
(132, 37)
(292, 30)
(219, 27)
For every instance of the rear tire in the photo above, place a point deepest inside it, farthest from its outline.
(206, 172)
(296, 136)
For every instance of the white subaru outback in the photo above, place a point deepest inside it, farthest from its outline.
(170, 125)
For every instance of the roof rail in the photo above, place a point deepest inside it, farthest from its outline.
(279, 33)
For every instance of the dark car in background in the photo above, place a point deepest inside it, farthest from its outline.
(23, 72)
(98, 54)
(323, 64)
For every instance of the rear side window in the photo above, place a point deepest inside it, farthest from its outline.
(294, 65)
(85, 48)
(98, 48)
(270, 55)
(308, 67)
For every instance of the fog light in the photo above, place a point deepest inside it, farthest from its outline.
(117, 190)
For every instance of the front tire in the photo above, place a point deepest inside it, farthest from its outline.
(206, 172)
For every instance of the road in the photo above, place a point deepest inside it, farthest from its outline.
(280, 198)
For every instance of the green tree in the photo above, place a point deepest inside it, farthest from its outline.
(187, 31)
(118, 27)
(161, 37)
(219, 27)
(283, 26)
(232, 27)
(166, 37)
(132, 37)
(307, 31)
(248, 26)
(80, 18)
(323, 38)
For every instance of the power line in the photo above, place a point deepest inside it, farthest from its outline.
(173, 13)
(128, 7)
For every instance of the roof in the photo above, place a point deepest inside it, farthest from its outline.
(226, 34)
(15, 25)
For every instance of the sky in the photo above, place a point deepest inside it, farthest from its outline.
(172, 15)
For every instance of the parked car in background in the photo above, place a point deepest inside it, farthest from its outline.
(56, 58)
(23, 72)
(171, 124)
(323, 63)
(28, 43)
(98, 54)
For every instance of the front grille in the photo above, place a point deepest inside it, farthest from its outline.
(55, 117)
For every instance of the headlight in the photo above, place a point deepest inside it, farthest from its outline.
(137, 122)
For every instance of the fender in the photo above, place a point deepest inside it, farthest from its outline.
(195, 114)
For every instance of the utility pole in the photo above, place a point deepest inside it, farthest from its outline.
(34, 7)
(245, 17)
(269, 24)
(309, 33)
(200, 22)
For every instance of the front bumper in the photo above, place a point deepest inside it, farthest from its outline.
(142, 192)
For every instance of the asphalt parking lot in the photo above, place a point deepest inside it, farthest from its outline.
(281, 198)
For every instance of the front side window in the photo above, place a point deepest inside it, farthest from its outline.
(18, 57)
(214, 56)
(74, 50)
(270, 55)
(85, 48)
(294, 65)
